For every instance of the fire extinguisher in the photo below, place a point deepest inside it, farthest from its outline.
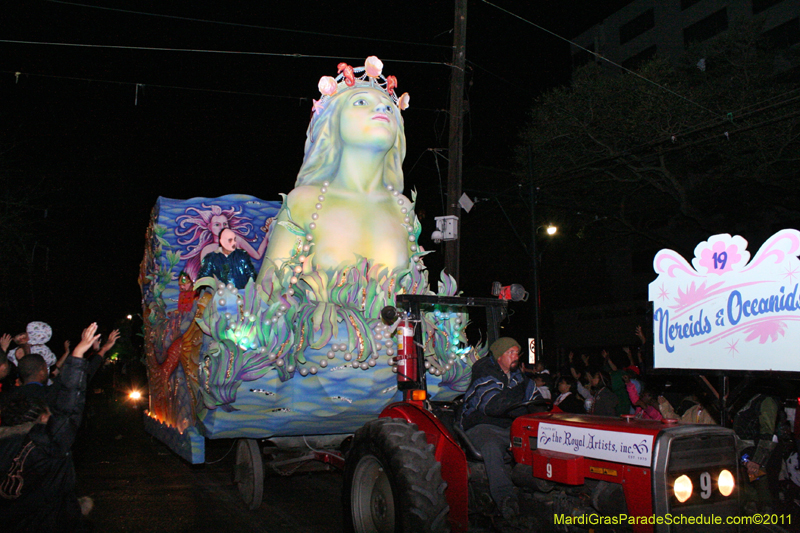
(406, 358)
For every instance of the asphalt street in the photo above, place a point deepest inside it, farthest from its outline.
(139, 485)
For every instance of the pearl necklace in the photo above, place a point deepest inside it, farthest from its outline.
(401, 201)
(318, 206)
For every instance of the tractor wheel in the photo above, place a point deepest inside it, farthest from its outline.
(248, 472)
(392, 483)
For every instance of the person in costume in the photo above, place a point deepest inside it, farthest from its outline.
(347, 202)
(200, 229)
(187, 294)
(230, 264)
(33, 341)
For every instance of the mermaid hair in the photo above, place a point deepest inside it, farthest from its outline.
(323, 149)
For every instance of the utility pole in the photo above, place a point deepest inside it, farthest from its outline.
(452, 248)
(534, 192)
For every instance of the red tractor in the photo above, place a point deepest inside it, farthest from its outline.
(413, 469)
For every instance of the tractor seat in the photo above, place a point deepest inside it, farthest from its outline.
(473, 454)
(449, 414)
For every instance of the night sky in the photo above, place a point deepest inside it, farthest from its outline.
(95, 152)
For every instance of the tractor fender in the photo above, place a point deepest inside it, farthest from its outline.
(449, 454)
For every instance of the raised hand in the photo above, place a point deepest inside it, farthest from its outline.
(640, 334)
(112, 338)
(5, 342)
(88, 337)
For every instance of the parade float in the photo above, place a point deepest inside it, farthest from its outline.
(299, 350)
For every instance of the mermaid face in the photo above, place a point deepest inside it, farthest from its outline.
(369, 119)
(218, 223)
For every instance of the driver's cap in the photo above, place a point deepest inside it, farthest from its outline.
(501, 345)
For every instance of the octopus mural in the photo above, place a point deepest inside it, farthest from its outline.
(301, 349)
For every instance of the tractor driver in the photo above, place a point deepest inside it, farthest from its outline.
(497, 385)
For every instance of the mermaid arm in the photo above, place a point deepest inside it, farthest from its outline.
(287, 236)
(247, 247)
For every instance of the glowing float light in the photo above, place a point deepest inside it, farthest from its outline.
(135, 395)
(683, 488)
(726, 483)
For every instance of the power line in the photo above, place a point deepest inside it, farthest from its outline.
(242, 25)
(496, 75)
(198, 50)
(18, 74)
(161, 86)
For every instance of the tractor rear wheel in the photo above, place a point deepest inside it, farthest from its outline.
(392, 482)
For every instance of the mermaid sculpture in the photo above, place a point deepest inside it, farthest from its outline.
(347, 202)
(302, 345)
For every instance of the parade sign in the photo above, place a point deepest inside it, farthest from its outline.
(727, 312)
(628, 448)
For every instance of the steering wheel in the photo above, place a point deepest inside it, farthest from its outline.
(541, 404)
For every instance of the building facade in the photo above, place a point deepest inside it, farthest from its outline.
(645, 28)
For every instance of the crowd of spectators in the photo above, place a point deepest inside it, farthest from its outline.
(615, 382)
(42, 400)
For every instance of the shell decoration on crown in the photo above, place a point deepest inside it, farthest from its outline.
(370, 75)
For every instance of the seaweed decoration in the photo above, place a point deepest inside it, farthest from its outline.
(447, 352)
(251, 330)
(271, 324)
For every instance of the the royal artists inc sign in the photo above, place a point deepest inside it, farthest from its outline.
(726, 310)
(628, 448)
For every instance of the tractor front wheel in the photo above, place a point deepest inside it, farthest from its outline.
(392, 482)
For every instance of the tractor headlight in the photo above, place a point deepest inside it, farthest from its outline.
(682, 488)
(725, 482)
(134, 395)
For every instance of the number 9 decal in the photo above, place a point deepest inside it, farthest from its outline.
(705, 485)
(549, 470)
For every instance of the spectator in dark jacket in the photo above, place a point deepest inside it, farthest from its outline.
(33, 370)
(602, 400)
(8, 374)
(568, 399)
(37, 477)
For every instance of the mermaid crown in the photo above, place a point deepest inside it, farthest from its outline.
(370, 75)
